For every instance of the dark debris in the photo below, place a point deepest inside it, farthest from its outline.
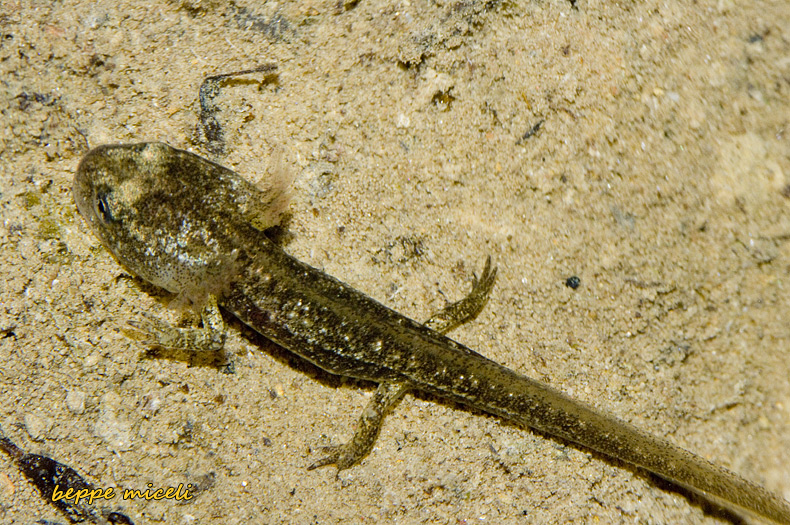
(530, 132)
(47, 475)
(209, 128)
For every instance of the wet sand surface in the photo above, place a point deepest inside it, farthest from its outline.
(644, 149)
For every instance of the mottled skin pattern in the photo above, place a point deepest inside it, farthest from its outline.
(195, 228)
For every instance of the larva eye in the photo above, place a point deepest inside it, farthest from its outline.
(104, 212)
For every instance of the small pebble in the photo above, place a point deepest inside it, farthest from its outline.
(37, 426)
(75, 401)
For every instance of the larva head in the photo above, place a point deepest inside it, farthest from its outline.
(165, 214)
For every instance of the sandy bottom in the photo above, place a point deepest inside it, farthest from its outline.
(644, 149)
